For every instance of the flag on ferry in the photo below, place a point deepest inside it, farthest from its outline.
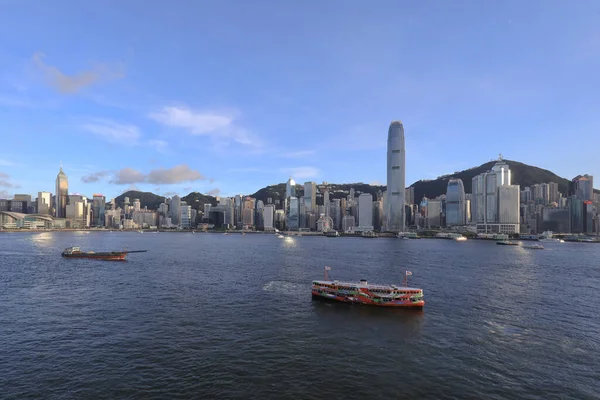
(327, 268)
(408, 273)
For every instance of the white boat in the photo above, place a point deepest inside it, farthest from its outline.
(280, 236)
(547, 236)
(534, 247)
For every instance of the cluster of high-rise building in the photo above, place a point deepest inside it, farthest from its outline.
(495, 205)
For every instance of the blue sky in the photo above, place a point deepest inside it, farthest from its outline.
(229, 96)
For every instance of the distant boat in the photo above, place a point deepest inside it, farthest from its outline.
(75, 252)
(507, 243)
(280, 236)
(369, 234)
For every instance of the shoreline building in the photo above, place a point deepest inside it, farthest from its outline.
(495, 202)
(455, 203)
(365, 212)
(396, 170)
(62, 193)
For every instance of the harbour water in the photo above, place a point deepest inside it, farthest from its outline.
(231, 316)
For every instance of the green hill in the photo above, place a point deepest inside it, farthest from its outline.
(197, 200)
(336, 191)
(521, 174)
(147, 199)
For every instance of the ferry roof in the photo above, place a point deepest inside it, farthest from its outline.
(365, 285)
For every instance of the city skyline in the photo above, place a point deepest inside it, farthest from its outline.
(227, 108)
(16, 189)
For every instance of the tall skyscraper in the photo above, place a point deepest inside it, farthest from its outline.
(554, 197)
(455, 203)
(175, 210)
(310, 195)
(396, 171)
(99, 209)
(62, 191)
(582, 186)
(365, 212)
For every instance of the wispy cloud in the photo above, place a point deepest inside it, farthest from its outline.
(302, 172)
(69, 84)
(6, 163)
(297, 154)
(214, 192)
(220, 126)
(160, 176)
(94, 177)
(113, 131)
(5, 181)
(159, 145)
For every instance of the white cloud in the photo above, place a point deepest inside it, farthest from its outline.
(220, 126)
(302, 172)
(114, 132)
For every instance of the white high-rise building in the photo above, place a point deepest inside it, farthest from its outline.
(44, 202)
(268, 217)
(493, 198)
(365, 212)
(508, 205)
(185, 216)
(396, 170)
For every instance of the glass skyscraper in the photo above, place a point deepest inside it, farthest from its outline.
(455, 203)
(396, 171)
(62, 192)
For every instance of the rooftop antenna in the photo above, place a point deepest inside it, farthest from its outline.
(500, 157)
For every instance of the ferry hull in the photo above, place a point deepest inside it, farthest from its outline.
(367, 301)
(99, 256)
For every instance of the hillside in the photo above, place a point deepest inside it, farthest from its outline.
(147, 199)
(521, 174)
(336, 191)
(197, 200)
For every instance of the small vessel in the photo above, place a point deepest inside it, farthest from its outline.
(368, 294)
(369, 234)
(507, 243)
(75, 252)
(280, 236)
(534, 247)
(332, 234)
(460, 238)
(547, 236)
